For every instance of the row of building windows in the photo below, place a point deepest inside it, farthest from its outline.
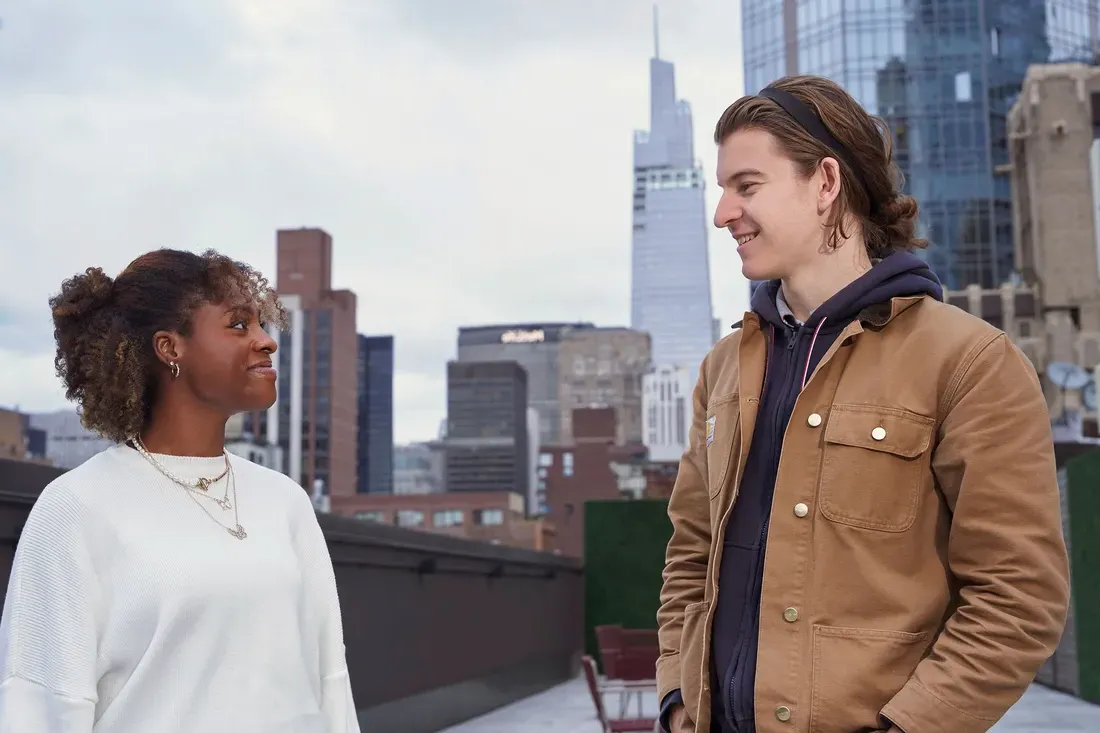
(441, 518)
(655, 180)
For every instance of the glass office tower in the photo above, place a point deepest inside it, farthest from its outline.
(944, 74)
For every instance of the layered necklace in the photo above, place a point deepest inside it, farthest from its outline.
(200, 488)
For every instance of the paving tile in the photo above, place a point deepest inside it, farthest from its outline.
(567, 708)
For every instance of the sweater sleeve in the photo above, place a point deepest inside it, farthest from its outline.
(323, 606)
(48, 632)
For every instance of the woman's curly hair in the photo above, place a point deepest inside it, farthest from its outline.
(104, 328)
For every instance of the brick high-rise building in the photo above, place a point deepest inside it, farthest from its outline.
(319, 414)
(583, 471)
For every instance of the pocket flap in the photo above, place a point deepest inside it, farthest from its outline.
(883, 429)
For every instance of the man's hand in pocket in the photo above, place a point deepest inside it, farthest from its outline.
(679, 722)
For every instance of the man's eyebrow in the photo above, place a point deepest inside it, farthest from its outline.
(737, 175)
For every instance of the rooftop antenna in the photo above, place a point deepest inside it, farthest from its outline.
(656, 35)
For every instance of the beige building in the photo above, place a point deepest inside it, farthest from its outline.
(16, 441)
(1054, 169)
(1054, 129)
(603, 367)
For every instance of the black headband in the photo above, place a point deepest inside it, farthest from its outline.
(805, 116)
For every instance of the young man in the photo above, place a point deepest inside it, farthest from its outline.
(866, 524)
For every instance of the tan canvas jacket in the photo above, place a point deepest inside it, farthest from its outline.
(915, 565)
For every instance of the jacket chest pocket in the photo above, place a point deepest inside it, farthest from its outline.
(875, 462)
(720, 439)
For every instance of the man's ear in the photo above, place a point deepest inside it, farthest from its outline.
(829, 190)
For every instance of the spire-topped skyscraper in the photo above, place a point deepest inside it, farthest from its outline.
(670, 283)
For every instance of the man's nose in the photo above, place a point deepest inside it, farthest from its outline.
(727, 213)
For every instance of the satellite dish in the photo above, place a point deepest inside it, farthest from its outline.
(1089, 396)
(1067, 376)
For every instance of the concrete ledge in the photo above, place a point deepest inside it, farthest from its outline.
(435, 710)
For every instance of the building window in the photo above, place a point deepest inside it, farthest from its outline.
(963, 88)
(447, 518)
(409, 518)
(370, 516)
(546, 459)
(681, 421)
(489, 517)
(566, 464)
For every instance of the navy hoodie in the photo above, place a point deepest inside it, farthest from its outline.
(737, 616)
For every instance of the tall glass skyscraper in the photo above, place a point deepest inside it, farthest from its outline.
(944, 74)
(670, 267)
(375, 377)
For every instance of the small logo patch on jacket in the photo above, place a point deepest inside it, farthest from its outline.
(710, 429)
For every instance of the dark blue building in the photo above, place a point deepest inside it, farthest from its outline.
(375, 414)
(943, 74)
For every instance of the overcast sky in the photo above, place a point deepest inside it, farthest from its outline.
(472, 159)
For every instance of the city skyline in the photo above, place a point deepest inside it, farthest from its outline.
(943, 78)
(217, 130)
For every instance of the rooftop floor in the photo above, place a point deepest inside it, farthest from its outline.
(567, 707)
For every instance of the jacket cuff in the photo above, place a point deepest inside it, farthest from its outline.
(671, 700)
(668, 674)
(916, 709)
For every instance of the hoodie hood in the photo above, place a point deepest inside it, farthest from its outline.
(900, 274)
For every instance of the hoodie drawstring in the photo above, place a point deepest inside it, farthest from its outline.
(810, 355)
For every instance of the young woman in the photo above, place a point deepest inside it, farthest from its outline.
(166, 585)
(866, 524)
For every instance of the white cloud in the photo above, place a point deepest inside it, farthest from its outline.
(471, 167)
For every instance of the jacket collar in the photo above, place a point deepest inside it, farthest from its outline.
(875, 316)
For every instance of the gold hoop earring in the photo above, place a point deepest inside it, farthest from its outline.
(174, 369)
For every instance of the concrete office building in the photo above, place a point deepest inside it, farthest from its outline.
(419, 468)
(670, 294)
(666, 411)
(258, 447)
(19, 440)
(943, 74)
(604, 367)
(317, 408)
(535, 346)
(68, 442)
(1055, 174)
(533, 446)
(375, 448)
(487, 443)
(1054, 169)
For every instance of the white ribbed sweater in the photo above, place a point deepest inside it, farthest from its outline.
(130, 611)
